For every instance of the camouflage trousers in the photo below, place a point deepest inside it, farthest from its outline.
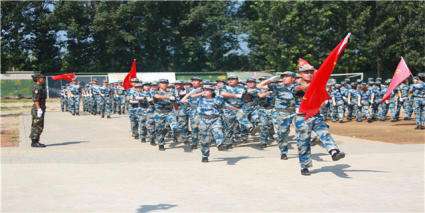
(394, 109)
(37, 124)
(74, 104)
(321, 129)
(162, 120)
(351, 111)
(266, 125)
(194, 126)
(407, 105)
(146, 125)
(338, 111)
(231, 126)
(303, 137)
(119, 104)
(210, 129)
(383, 111)
(183, 123)
(134, 120)
(282, 121)
(363, 111)
(419, 107)
(63, 104)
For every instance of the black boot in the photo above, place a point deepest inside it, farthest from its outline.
(263, 145)
(153, 143)
(205, 159)
(305, 171)
(194, 146)
(336, 154)
(36, 144)
(221, 147)
(283, 157)
(161, 148)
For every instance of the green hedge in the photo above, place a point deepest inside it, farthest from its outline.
(16, 88)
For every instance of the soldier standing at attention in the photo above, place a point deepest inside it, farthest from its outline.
(39, 96)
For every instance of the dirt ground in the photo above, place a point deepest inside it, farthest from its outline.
(401, 132)
(10, 111)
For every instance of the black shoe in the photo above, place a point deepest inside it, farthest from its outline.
(422, 127)
(221, 147)
(152, 143)
(283, 157)
(263, 145)
(336, 154)
(205, 159)
(394, 120)
(418, 127)
(369, 120)
(193, 146)
(229, 146)
(161, 148)
(407, 118)
(36, 144)
(108, 116)
(136, 137)
(78, 113)
(341, 121)
(305, 171)
(143, 140)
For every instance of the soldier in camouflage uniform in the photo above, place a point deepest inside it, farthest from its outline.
(249, 108)
(164, 100)
(96, 99)
(284, 108)
(38, 110)
(405, 100)
(63, 98)
(395, 105)
(352, 96)
(74, 97)
(418, 94)
(232, 94)
(265, 110)
(196, 87)
(119, 99)
(363, 102)
(383, 107)
(134, 107)
(106, 100)
(181, 111)
(210, 122)
(338, 104)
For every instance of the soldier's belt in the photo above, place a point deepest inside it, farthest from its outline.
(210, 116)
(232, 108)
(288, 110)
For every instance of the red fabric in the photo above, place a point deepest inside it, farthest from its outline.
(303, 62)
(401, 73)
(131, 74)
(316, 93)
(66, 77)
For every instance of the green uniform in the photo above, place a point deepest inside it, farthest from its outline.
(39, 94)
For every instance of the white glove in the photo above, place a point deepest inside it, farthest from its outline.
(171, 98)
(238, 95)
(273, 78)
(39, 113)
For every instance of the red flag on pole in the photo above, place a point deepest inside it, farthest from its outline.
(131, 74)
(66, 77)
(401, 73)
(316, 93)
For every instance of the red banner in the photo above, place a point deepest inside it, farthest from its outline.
(66, 77)
(401, 73)
(131, 74)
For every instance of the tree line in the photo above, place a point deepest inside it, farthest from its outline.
(197, 36)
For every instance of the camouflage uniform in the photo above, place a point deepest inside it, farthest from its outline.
(146, 126)
(394, 106)
(338, 104)
(210, 125)
(383, 107)
(39, 95)
(133, 111)
(363, 112)
(231, 113)
(265, 110)
(418, 94)
(164, 115)
(74, 99)
(406, 101)
(119, 99)
(106, 101)
(182, 114)
(283, 113)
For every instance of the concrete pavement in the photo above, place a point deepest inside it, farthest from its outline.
(92, 165)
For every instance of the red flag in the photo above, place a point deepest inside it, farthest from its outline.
(316, 92)
(66, 77)
(131, 74)
(401, 73)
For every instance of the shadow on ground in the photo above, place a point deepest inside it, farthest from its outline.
(149, 208)
(232, 160)
(66, 143)
(341, 170)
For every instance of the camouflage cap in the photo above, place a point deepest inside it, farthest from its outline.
(208, 87)
(147, 83)
(288, 73)
(178, 82)
(164, 81)
(232, 77)
(251, 80)
(196, 78)
(153, 83)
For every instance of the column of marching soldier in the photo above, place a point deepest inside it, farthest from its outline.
(226, 113)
